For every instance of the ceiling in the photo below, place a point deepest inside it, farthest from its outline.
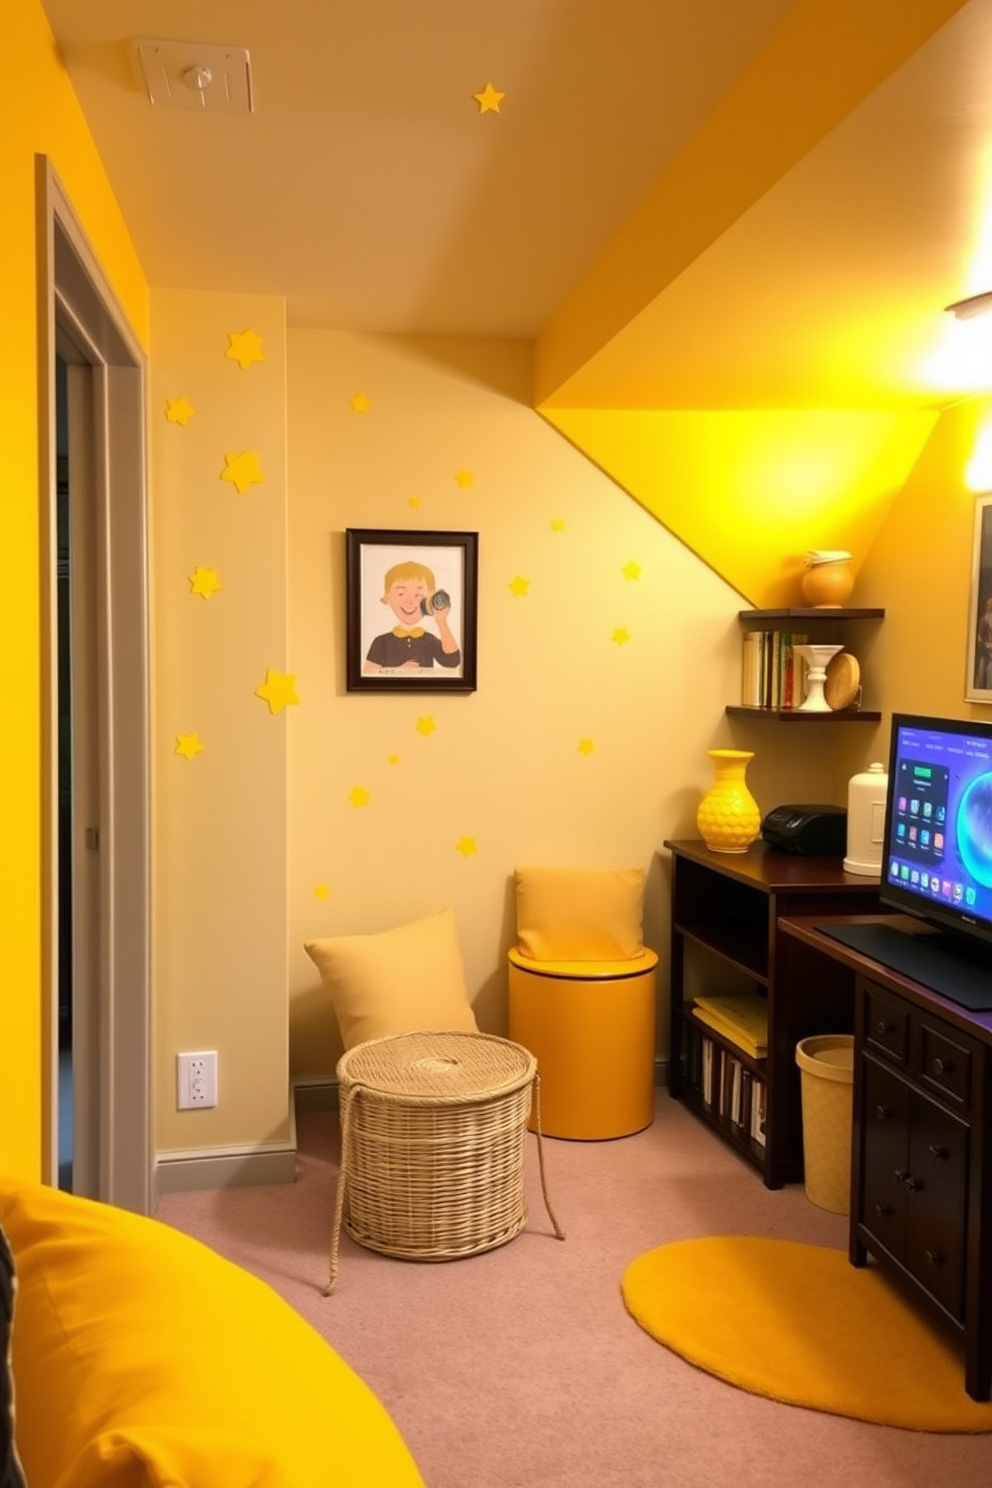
(683, 203)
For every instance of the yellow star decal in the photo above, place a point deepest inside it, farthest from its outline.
(242, 470)
(621, 635)
(489, 100)
(464, 478)
(187, 745)
(245, 347)
(425, 726)
(321, 891)
(632, 570)
(392, 759)
(414, 502)
(358, 796)
(585, 746)
(204, 581)
(278, 690)
(361, 403)
(557, 525)
(519, 587)
(178, 410)
(466, 846)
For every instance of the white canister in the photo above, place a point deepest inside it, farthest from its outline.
(866, 795)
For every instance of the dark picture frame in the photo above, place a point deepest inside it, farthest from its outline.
(412, 610)
(978, 685)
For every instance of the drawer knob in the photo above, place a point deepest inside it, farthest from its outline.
(901, 1175)
(915, 1185)
(883, 1211)
(933, 1257)
(942, 1067)
(883, 1112)
(937, 1151)
(883, 1028)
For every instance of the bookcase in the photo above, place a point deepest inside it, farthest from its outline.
(815, 624)
(725, 938)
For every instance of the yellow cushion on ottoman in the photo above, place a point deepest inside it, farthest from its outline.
(580, 914)
(142, 1359)
(399, 981)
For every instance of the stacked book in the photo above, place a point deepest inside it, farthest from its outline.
(741, 1020)
(771, 673)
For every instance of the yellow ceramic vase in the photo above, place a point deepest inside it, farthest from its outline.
(728, 817)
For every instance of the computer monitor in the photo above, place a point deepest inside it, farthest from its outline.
(937, 839)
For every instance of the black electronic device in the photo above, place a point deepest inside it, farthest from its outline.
(810, 831)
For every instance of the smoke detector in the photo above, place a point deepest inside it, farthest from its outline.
(192, 75)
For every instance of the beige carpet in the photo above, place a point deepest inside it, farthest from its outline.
(799, 1324)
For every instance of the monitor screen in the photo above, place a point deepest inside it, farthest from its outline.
(937, 848)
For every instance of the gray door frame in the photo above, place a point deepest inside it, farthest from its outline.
(78, 314)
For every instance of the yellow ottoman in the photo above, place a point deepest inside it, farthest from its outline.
(591, 1027)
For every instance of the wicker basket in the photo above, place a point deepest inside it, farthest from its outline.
(433, 1134)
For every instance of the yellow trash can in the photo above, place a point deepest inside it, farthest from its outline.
(827, 1065)
(591, 1027)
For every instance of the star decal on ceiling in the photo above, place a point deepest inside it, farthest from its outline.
(278, 690)
(621, 635)
(464, 478)
(361, 403)
(466, 846)
(632, 570)
(178, 410)
(585, 746)
(358, 796)
(557, 525)
(425, 725)
(321, 891)
(489, 100)
(204, 581)
(243, 470)
(245, 348)
(519, 587)
(188, 745)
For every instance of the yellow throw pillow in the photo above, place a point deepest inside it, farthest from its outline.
(142, 1358)
(580, 914)
(399, 981)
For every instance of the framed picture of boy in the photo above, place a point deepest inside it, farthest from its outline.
(412, 610)
(978, 687)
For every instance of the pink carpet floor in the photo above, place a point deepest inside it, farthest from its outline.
(521, 1368)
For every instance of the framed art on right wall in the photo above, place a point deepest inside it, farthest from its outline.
(978, 688)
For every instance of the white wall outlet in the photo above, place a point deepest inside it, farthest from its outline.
(197, 1080)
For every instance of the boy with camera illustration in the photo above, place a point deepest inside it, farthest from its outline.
(408, 590)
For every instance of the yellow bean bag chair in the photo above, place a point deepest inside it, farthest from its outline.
(142, 1359)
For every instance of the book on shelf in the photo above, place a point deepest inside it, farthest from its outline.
(743, 1020)
(771, 673)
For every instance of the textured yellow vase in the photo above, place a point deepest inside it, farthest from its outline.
(728, 817)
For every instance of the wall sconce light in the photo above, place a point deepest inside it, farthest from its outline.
(979, 304)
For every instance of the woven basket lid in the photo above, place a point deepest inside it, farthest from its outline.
(438, 1066)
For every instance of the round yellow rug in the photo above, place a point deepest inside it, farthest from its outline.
(800, 1324)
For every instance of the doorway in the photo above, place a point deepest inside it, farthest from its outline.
(96, 727)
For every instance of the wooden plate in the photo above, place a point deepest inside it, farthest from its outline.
(843, 680)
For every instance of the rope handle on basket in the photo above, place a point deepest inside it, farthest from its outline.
(346, 1102)
(559, 1232)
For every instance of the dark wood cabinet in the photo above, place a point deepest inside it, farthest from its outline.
(725, 910)
(921, 1160)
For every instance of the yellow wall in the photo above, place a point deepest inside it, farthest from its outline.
(38, 114)
(219, 835)
(502, 766)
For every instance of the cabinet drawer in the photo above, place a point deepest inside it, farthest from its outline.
(945, 1065)
(886, 1024)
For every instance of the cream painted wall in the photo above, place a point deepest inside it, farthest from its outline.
(38, 114)
(502, 766)
(919, 569)
(219, 832)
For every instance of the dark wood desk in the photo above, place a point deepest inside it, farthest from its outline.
(921, 1168)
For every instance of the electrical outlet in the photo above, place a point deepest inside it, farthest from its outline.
(197, 1080)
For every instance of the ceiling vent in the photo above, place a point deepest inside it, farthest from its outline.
(190, 75)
